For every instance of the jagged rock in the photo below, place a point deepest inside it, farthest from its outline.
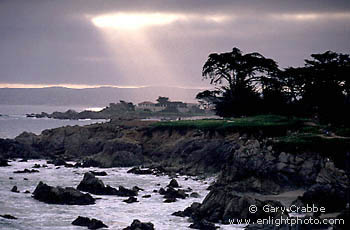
(27, 171)
(173, 193)
(96, 173)
(331, 197)
(203, 225)
(178, 213)
(122, 191)
(220, 205)
(130, 200)
(78, 165)
(138, 225)
(14, 189)
(3, 162)
(81, 221)
(96, 224)
(90, 223)
(161, 191)
(90, 163)
(36, 166)
(170, 200)
(195, 195)
(57, 162)
(94, 185)
(139, 171)
(159, 170)
(7, 216)
(137, 189)
(173, 183)
(91, 184)
(59, 195)
(191, 211)
(67, 165)
(329, 174)
(116, 153)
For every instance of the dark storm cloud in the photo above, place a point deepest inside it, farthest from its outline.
(54, 42)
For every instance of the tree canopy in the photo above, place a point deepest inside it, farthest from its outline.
(247, 84)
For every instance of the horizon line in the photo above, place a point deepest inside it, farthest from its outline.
(84, 86)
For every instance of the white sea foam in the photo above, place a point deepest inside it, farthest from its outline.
(33, 214)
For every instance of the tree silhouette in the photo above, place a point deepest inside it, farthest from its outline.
(322, 85)
(249, 84)
(163, 100)
(207, 98)
(238, 78)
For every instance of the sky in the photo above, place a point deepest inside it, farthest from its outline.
(88, 43)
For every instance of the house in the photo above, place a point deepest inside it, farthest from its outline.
(150, 106)
(170, 106)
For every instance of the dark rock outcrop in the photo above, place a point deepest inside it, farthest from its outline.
(90, 223)
(137, 189)
(7, 216)
(221, 205)
(14, 189)
(122, 191)
(173, 193)
(36, 166)
(139, 171)
(138, 225)
(130, 200)
(58, 162)
(97, 173)
(27, 171)
(59, 195)
(96, 186)
(116, 153)
(170, 200)
(203, 225)
(173, 183)
(10, 148)
(224, 205)
(195, 195)
(3, 162)
(90, 163)
(331, 197)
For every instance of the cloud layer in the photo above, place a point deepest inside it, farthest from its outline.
(57, 42)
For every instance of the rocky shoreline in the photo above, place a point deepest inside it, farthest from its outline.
(247, 166)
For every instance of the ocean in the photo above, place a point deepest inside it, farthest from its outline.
(13, 120)
(35, 215)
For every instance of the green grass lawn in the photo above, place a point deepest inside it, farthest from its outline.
(269, 124)
(288, 133)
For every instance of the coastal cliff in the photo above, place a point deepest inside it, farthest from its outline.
(244, 161)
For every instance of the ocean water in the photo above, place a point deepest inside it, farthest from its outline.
(36, 215)
(13, 120)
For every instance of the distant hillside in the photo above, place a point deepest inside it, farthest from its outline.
(60, 96)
